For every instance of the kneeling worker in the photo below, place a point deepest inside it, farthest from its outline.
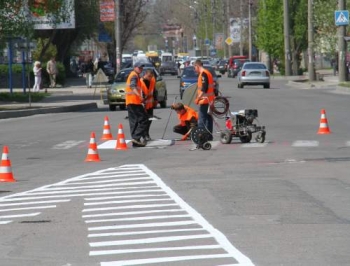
(188, 119)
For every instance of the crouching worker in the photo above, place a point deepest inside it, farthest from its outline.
(188, 119)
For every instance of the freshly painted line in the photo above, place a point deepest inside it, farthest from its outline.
(147, 240)
(110, 176)
(131, 213)
(29, 208)
(110, 181)
(129, 207)
(254, 145)
(67, 144)
(146, 232)
(220, 237)
(123, 251)
(127, 201)
(100, 186)
(32, 202)
(145, 218)
(125, 197)
(83, 190)
(5, 222)
(128, 226)
(347, 143)
(80, 195)
(20, 215)
(305, 143)
(166, 259)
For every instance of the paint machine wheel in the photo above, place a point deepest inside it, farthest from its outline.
(199, 135)
(260, 137)
(206, 146)
(225, 137)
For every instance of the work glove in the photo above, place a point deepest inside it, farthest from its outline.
(196, 101)
(185, 137)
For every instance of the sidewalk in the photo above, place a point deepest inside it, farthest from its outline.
(74, 96)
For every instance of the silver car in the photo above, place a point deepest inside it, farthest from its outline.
(254, 73)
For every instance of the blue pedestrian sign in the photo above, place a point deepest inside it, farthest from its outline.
(341, 17)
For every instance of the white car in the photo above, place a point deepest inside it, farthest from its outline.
(254, 73)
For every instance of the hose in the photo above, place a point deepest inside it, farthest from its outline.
(219, 107)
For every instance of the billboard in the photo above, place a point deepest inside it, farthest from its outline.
(235, 28)
(37, 10)
(219, 41)
(107, 10)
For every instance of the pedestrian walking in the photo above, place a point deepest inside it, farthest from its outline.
(37, 76)
(89, 72)
(51, 68)
(138, 119)
(205, 96)
(149, 97)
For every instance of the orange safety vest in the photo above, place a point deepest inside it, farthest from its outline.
(130, 96)
(209, 96)
(187, 116)
(148, 93)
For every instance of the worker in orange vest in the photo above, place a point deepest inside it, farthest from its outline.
(149, 97)
(138, 119)
(188, 119)
(205, 96)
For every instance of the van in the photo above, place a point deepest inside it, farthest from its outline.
(235, 64)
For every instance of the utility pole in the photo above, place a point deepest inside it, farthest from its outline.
(342, 46)
(117, 34)
(286, 38)
(311, 41)
(250, 30)
(241, 28)
(228, 28)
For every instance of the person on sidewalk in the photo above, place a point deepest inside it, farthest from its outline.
(138, 118)
(149, 97)
(205, 96)
(89, 72)
(188, 118)
(51, 68)
(37, 76)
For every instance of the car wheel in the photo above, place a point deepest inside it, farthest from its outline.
(112, 107)
(247, 138)
(267, 86)
(122, 107)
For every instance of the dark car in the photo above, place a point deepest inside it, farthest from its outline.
(236, 66)
(222, 66)
(189, 76)
(168, 67)
(116, 91)
(107, 68)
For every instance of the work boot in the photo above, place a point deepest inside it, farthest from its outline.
(137, 143)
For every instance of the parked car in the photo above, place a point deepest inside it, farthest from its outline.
(189, 77)
(254, 73)
(116, 91)
(168, 67)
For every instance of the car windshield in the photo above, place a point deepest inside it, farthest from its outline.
(189, 72)
(122, 75)
(254, 66)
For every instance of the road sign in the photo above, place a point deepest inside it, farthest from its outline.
(229, 41)
(341, 17)
(207, 42)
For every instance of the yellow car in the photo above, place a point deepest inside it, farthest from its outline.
(116, 91)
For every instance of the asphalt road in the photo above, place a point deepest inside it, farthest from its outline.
(283, 202)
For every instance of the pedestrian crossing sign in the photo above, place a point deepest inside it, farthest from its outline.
(341, 17)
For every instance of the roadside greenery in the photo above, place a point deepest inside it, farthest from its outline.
(20, 97)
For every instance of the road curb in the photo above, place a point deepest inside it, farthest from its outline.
(47, 110)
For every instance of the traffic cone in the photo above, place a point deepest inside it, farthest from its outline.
(323, 129)
(121, 144)
(92, 155)
(106, 135)
(5, 167)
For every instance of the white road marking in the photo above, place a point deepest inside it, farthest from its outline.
(129, 207)
(29, 208)
(131, 213)
(32, 202)
(125, 201)
(254, 145)
(347, 143)
(122, 197)
(20, 215)
(138, 218)
(67, 144)
(5, 222)
(305, 143)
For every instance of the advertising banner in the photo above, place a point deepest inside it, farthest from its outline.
(219, 41)
(43, 21)
(107, 10)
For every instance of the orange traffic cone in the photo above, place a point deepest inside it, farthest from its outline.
(5, 167)
(92, 155)
(121, 144)
(106, 135)
(323, 129)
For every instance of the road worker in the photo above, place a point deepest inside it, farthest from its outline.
(188, 119)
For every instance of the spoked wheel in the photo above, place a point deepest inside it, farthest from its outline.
(246, 138)
(199, 135)
(260, 137)
(225, 137)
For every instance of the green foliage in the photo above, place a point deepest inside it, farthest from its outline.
(50, 50)
(21, 97)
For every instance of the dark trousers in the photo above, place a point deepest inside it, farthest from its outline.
(149, 114)
(138, 121)
(205, 120)
(181, 129)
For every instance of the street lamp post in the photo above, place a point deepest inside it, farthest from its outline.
(117, 34)
(250, 30)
